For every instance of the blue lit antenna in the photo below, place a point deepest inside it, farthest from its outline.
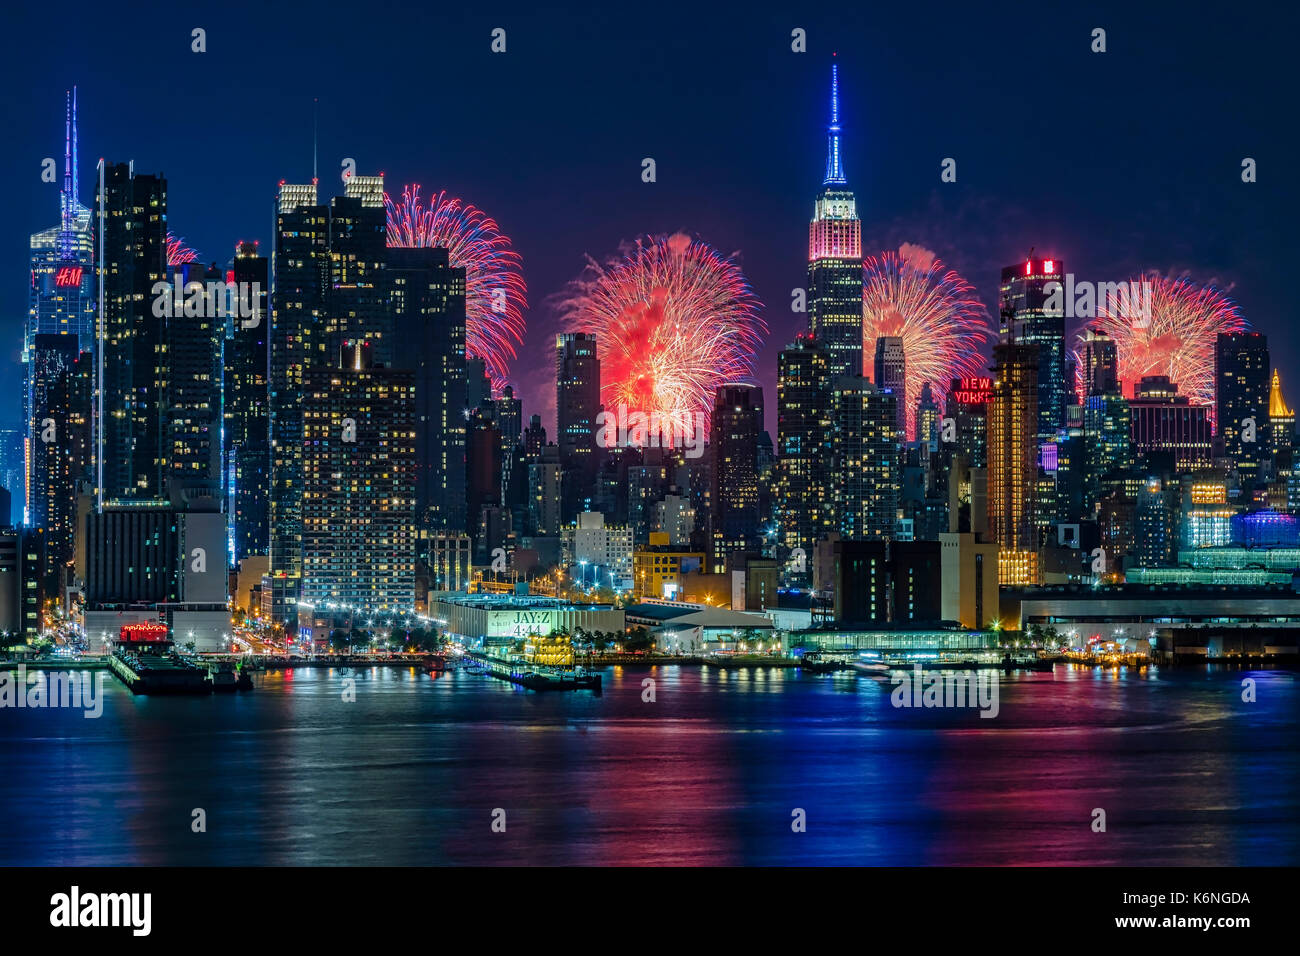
(834, 170)
(65, 198)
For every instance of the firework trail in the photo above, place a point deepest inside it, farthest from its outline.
(673, 320)
(178, 253)
(494, 281)
(1172, 332)
(943, 325)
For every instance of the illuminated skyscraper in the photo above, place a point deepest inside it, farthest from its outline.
(358, 510)
(927, 419)
(1013, 462)
(61, 314)
(63, 294)
(1028, 320)
(1281, 419)
(865, 461)
(835, 259)
(300, 268)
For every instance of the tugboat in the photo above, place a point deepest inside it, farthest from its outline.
(814, 663)
(433, 664)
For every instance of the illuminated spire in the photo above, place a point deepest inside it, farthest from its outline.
(76, 190)
(69, 206)
(1277, 407)
(834, 169)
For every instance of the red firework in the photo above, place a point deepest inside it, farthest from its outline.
(910, 294)
(495, 293)
(1167, 326)
(673, 320)
(178, 254)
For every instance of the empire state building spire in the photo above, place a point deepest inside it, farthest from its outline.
(834, 169)
(835, 258)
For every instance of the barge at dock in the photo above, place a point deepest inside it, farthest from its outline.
(145, 661)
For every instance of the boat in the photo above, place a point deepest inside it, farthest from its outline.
(871, 668)
(433, 664)
(815, 663)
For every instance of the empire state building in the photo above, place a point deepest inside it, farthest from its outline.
(835, 259)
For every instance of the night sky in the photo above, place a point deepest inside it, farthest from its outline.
(1114, 162)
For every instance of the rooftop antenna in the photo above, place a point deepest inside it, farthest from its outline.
(315, 130)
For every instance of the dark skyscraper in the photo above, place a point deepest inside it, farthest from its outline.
(733, 442)
(428, 305)
(1099, 371)
(891, 375)
(1028, 320)
(577, 402)
(131, 427)
(189, 372)
(1241, 388)
(1167, 429)
(357, 296)
(62, 380)
(968, 413)
(835, 259)
(803, 433)
(247, 409)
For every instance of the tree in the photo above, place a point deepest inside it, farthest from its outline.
(638, 639)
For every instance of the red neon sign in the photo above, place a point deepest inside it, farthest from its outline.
(68, 276)
(973, 390)
(142, 632)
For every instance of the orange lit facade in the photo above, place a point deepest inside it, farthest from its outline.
(1013, 464)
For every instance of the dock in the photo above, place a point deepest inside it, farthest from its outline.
(538, 676)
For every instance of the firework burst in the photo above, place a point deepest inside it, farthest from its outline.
(673, 320)
(1172, 332)
(911, 294)
(494, 282)
(178, 254)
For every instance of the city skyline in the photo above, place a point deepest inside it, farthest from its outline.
(626, 437)
(986, 227)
